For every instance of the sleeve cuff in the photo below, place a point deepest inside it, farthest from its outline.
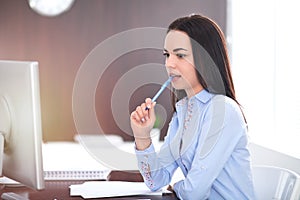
(150, 149)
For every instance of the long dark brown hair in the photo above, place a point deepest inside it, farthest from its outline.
(210, 55)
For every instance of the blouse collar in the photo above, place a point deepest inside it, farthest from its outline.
(203, 96)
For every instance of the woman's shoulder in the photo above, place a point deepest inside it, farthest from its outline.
(230, 107)
(226, 101)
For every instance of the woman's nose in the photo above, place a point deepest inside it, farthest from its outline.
(171, 62)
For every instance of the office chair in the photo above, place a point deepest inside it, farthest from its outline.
(275, 183)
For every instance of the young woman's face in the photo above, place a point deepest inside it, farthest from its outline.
(180, 63)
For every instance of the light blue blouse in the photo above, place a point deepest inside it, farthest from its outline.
(207, 139)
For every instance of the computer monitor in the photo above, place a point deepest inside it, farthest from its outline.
(20, 123)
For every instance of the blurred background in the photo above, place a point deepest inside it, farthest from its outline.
(262, 36)
(61, 43)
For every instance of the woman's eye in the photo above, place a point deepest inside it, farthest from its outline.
(180, 55)
(166, 55)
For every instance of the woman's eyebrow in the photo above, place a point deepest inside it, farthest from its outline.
(177, 49)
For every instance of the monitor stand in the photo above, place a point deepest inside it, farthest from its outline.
(5, 126)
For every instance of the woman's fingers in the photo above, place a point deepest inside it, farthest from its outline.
(148, 102)
(135, 116)
(142, 112)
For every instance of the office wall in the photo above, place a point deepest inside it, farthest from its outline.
(60, 44)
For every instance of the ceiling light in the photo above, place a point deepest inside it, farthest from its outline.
(50, 8)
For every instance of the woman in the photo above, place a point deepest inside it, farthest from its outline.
(207, 136)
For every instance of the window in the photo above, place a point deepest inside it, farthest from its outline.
(264, 37)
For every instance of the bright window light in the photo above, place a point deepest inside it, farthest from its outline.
(264, 36)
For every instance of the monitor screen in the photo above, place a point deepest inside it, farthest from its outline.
(20, 126)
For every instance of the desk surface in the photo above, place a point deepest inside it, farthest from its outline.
(59, 190)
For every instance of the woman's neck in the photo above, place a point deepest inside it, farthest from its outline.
(193, 91)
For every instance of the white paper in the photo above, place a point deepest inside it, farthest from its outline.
(68, 156)
(64, 161)
(101, 189)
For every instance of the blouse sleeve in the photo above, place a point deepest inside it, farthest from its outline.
(157, 168)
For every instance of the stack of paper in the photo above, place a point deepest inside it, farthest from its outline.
(70, 161)
(101, 189)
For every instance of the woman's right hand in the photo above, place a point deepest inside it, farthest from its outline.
(142, 121)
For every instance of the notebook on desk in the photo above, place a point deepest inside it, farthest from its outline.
(70, 161)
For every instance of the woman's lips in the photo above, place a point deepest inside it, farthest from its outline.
(175, 77)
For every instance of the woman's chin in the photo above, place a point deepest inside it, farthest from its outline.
(177, 86)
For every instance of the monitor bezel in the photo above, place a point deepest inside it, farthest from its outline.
(22, 156)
